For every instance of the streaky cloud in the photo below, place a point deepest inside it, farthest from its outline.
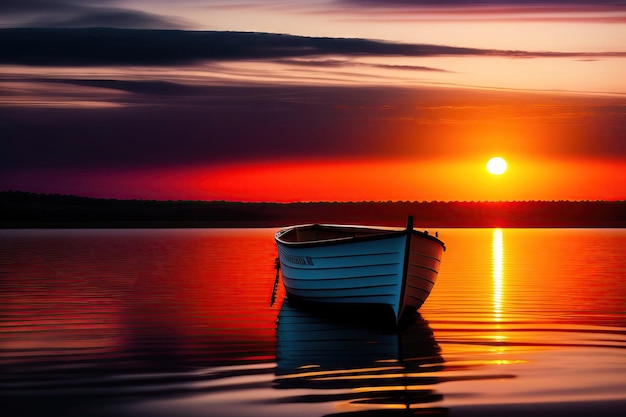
(83, 13)
(332, 63)
(151, 87)
(610, 11)
(466, 3)
(106, 46)
(39, 6)
(111, 18)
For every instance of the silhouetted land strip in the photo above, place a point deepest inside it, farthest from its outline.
(22, 210)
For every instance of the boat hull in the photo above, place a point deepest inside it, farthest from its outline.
(395, 269)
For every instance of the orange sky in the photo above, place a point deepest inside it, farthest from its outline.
(395, 100)
(439, 180)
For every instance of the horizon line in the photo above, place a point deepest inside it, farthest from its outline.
(2, 192)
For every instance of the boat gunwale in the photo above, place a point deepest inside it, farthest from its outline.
(378, 233)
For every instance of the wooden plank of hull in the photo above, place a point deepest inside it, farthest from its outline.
(316, 274)
(423, 267)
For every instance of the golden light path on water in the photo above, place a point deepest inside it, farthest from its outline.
(497, 257)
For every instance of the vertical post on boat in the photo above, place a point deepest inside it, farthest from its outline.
(409, 224)
(405, 267)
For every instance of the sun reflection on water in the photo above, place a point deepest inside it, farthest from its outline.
(497, 257)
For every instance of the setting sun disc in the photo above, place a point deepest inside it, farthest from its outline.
(496, 166)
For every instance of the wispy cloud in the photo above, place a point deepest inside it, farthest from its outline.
(586, 4)
(611, 11)
(334, 63)
(80, 14)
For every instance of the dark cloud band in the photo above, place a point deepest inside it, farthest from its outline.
(31, 46)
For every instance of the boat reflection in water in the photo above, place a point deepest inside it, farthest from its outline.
(363, 368)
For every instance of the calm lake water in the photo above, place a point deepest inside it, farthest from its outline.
(178, 323)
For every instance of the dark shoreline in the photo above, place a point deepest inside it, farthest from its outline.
(29, 210)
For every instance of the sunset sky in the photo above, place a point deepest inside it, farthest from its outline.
(327, 100)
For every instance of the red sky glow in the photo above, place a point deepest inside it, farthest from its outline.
(339, 100)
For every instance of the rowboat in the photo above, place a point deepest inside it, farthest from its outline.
(329, 264)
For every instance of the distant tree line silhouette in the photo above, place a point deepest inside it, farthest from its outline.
(22, 209)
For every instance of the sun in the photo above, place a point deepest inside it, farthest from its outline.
(496, 166)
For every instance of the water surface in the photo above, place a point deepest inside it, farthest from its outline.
(177, 322)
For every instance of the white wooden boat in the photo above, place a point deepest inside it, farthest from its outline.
(356, 265)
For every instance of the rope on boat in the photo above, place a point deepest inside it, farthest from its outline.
(277, 268)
